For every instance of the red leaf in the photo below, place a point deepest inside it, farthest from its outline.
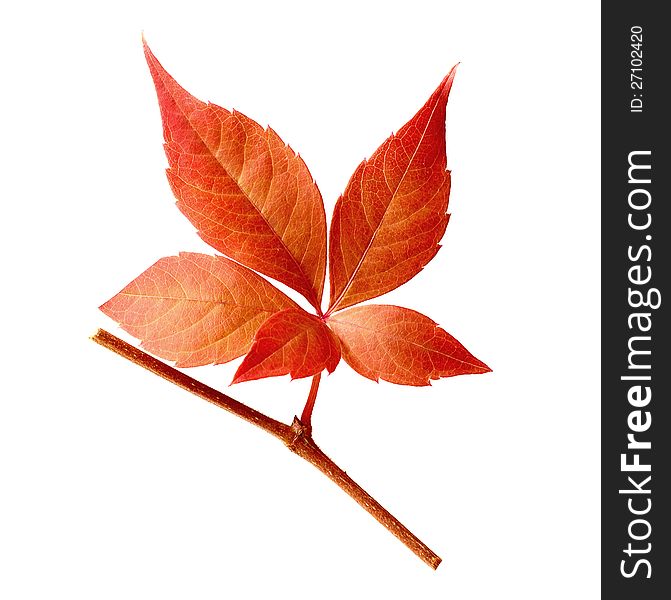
(290, 342)
(248, 194)
(387, 224)
(400, 345)
(251, 197)
(196, 309)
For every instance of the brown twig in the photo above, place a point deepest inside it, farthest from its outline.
(296, 437)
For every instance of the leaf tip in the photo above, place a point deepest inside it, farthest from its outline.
(446, 84)
(239, 376)
(145, 45)
(106, 307)
(478, 367)
(452, 73)
(148, 54)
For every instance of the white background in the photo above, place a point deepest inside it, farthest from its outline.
(116, 485)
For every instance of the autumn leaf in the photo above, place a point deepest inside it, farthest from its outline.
(196, 309)
(387, 224)
(400, 345)
(248, 194)
(253, 199)
(290, 342)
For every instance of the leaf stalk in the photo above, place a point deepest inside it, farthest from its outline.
(306, 416)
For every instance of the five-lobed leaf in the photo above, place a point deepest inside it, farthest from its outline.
(196, 309)
(387, 224)
(249, 194)
(253, 199)
(400, 345)
(291, 342)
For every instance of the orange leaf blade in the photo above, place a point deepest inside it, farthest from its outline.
(196, 309)
(249, 195)
(387, 224)
(291, 342)
(400, 345)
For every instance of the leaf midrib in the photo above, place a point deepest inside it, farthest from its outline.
(202, 300)
(244, 193)
(450, 356)
(384, 215)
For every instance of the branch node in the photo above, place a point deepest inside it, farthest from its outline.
(298, 433)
